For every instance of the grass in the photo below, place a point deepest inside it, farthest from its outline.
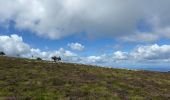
(24, 79)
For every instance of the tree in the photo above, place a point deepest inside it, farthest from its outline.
(2, 53)
(56, 58)
(59, 58)
(39, 59)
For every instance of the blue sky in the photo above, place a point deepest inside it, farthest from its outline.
(132, 34)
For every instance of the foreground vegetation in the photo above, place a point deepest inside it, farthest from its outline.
(24, 79)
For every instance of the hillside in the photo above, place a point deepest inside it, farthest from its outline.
(24, 79)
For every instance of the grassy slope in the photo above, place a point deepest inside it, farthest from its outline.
(23, 79)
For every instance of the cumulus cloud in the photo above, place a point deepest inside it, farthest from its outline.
(94, 59)
(13, 45)
(76, 46)
(65, 54)
(56, 19)
(141, 54)
(152, 52)
(144, 54)
(38, 53)
(119, 55)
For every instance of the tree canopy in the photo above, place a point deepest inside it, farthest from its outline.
(2, 53)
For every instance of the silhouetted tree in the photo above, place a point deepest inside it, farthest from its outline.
(59, 58)
(2, 53)
(56, 58)
(39, 59)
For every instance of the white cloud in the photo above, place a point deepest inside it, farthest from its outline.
(119, 55)
(144, 54)
(13, 45)
(152, 52)
(38, 53)
(56, 19)
(76, 46)
(93, 59)
(65, 54)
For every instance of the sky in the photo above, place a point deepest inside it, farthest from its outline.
(114, 33)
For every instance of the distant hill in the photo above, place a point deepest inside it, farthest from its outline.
(25, 79)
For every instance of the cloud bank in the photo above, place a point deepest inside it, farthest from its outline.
(56, 19)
